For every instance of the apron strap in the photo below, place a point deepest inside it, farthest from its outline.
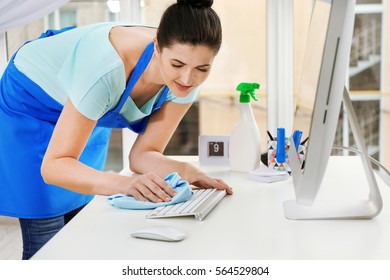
(137, 72)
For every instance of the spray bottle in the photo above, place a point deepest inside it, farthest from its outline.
(244, 144)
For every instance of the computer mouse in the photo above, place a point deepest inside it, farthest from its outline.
(162, 233)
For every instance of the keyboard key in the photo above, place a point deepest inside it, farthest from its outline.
(199, 205)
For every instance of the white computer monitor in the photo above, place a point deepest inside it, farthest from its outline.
(321, 93)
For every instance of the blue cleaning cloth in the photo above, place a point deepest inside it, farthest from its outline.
(182, 188)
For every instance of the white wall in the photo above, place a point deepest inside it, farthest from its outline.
(3, 53)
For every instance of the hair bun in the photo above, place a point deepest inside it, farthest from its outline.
(197, 3)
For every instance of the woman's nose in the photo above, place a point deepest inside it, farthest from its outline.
(186, 77)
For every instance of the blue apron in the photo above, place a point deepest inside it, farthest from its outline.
(28, 116)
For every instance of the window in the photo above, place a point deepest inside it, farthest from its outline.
(365, 79)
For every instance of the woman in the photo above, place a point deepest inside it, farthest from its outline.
(61, 95)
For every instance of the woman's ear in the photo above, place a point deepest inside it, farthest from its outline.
(157, 50)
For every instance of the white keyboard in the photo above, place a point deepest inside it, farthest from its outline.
(199, 205)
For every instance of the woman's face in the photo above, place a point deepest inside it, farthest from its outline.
(183, 67)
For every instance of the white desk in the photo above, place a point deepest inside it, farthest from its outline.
(247, 225)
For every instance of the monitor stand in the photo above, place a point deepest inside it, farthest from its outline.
(344, 209)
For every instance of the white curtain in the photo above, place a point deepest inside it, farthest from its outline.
(19, 12)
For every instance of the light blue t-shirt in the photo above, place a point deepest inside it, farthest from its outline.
(81, 64)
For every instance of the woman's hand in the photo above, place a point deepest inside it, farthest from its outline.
(149, 187)
(201, 180)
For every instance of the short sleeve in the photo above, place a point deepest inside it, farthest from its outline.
(100, 98)
(93, 76)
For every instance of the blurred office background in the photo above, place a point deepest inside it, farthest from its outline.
(243, 57)
(254, 32)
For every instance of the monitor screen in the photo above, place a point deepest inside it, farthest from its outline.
(321, 93)
(320, 97)
(310, 75)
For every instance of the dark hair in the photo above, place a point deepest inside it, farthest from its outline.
(190, 22)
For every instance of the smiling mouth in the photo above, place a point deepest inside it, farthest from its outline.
(182, 87)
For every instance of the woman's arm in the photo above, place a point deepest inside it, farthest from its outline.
(61, 167)
(146, 154)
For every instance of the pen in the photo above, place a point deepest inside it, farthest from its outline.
(270, 136)
(304, 141)
(297, 138)
(280, 150)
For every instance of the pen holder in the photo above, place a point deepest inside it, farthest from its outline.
(283, 166)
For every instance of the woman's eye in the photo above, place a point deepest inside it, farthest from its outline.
(176, 65)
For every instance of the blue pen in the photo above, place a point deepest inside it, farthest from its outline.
(280, 149)
(297, 138)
